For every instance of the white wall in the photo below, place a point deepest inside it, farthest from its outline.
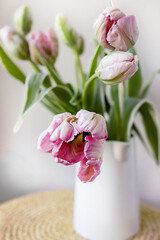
(22, 168)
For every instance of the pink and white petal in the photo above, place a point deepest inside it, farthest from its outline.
(56, 134)
(86, 121)
(100, 131)
(64, 131)
(84, 118)
(67, 132)
(100, 27)
(89, 122)
(130, 72)
(44, 144)
(116, 57)
(115, 13)
(71, 152)
(57, 120)
(97, 24)
(117, 39)
(129, 26)
(101, 36)
(88, 173)
(62, 161)
(56, 147)
(94, 148)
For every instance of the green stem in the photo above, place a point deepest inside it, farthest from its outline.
(90, 80)
(77, 77)
(54, 74)
(47, 82)
(80, 67)
(120, 109)
(126, 89)
(121, 98)
(34, 65)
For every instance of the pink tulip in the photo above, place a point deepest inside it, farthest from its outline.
(114, 30)
(117, 67)
(73, 139)
(43, 45)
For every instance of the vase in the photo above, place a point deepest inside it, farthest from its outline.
(108, 207)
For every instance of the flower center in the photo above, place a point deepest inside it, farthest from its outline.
(78, 143)
(84, 135)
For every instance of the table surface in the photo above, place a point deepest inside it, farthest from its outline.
(49, 216)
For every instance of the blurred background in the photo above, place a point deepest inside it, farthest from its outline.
(23, 169)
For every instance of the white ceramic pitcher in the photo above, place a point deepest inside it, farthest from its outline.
(108, 208)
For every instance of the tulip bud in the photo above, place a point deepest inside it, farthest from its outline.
(114, 30)
(14, 42)
(23, 20)
(117, 67)
(43, 45)
(69, 35)
(80, 44)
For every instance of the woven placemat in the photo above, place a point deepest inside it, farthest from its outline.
(49, 216)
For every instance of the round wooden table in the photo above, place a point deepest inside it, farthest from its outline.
(49, 216)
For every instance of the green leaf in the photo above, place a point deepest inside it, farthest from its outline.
(147, 112)
(140, 136)
(148, 85)
(11, 67)
(63, 95)
(76, 99)
(70, 87)
(88, 95)
(52, 107)
(90, 87)
(112, 126)
(33, 95)
(94, 61)
(115, 98)
(131, 107)
(99, 100)
(135, 82)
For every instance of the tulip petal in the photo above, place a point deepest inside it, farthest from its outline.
(117, 39)
(128, 74)
(93, 123)
(124, 34)
(69, 153)
(128, 25)
(57, 120)
(66, 130)
(100, 27)
(44, 144)
(93, 149)
(88, 173)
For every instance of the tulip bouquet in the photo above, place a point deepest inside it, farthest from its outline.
(103, 103)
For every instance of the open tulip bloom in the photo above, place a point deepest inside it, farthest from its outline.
(104, 102)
